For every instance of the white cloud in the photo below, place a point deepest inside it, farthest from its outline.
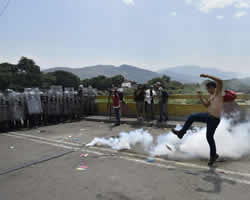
(243, 4)
(220, 17)
(189, 1)
(240, 14)
(207, 5)
(173, 14)
(129, 2)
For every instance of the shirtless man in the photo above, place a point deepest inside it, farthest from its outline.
(211, 118)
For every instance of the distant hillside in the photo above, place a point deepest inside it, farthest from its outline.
(190, 74)
(184, 74)
(129, 72)
(238, 85)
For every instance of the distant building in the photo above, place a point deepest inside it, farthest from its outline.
(128, 84)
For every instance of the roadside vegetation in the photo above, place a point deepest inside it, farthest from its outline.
(26, 73)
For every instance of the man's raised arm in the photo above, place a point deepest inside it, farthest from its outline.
(217, 80)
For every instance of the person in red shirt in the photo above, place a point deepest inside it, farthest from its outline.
(116, 106)
(232, 110)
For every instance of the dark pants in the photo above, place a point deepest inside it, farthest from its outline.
(139, 108)
(149, 110)
(163, 110)
(212, 124)
(117, 115)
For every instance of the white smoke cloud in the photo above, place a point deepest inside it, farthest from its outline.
(220, 17)
(207, 5)
(240, 14)
(129, 2)
(232, 142)
(189, 1)
(173, 14)
(242, 4)
(126, 140)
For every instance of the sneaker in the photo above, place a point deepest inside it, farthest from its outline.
(212, 160)
(179, 134)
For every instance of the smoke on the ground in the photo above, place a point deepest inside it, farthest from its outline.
(126, 140)
(232, 142)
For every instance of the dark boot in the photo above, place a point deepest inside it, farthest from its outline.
(179, 134)
(212, 160)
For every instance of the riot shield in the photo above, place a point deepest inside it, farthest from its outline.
(33, 101)
(77, 106)
(69, 102)
(66, 103)
(55, 101)
(16, 102)
(44, 102)
(83, 93)
(91, 100)
(4, 112)
(4, 116)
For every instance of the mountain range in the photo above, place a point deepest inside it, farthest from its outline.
(191, 73)
(239, 85)
(129, 72)
(184, 74)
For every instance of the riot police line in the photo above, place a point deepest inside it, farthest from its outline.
(35, 107)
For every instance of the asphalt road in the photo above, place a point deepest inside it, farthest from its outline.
(42, 164)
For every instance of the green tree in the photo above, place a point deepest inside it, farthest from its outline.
(85, 82)
(166, 78)
(102, 82)
(154, 81)
(48, 80)
(117, 80)
(174, 85)
(28, 73)
(66, 79)
(27, 65)
(4, 81)
(7, 73)
(167, 83)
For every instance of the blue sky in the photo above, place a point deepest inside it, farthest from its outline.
(151, 34)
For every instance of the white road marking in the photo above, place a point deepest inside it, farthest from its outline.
(46, 139)
(237, 180)
(242, 181)
(42, 142)
(148, 163)
(190, 165)
(130, 157)
(56, 144)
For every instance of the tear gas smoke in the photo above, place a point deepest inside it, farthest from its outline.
(232, 142)
(126, 140)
